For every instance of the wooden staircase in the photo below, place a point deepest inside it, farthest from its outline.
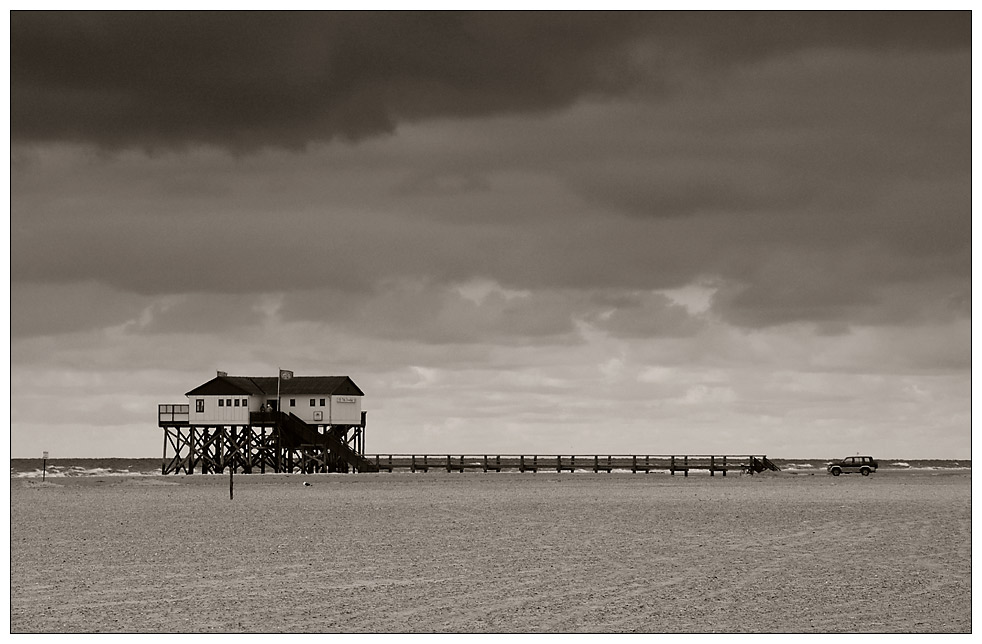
(322, 450)
(763, 463)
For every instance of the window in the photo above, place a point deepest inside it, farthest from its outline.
(236, 402)
(322, 402)
(245, 402)
(293, 402)
(221, 402)
(199, 405)
(311, 402)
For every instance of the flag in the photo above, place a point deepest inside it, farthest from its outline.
(285, 375)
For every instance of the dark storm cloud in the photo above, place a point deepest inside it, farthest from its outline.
(247, 80)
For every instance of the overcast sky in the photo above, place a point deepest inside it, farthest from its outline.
(517, 233)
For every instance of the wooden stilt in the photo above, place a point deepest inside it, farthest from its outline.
(279, 452)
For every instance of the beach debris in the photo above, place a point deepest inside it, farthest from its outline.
(306, 484)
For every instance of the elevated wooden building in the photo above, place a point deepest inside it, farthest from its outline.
(282, 423)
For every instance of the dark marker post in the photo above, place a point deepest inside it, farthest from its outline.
(44, 465)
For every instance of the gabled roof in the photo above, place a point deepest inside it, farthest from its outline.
(266, 386)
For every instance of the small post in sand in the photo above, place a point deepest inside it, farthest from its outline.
(44, 465)
(231, 469)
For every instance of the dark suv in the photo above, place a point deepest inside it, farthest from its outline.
(852, 464)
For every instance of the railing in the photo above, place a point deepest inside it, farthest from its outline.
(570, 463)
(173, 415)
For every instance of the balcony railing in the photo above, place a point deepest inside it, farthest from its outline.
(173, 415)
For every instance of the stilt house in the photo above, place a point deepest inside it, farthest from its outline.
(314, 423)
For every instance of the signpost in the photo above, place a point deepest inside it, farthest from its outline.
(44, 465)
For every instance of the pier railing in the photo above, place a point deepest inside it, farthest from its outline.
(571, 463)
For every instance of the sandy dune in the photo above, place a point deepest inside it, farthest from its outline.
(493, 552)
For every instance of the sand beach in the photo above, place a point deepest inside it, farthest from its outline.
(473, 552)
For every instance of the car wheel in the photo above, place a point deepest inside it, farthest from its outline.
(865, 471)
(836, 471)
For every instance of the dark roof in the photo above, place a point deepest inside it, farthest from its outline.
(266, 386)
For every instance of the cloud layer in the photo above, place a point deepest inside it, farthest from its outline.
(648, 231)
(283, 79)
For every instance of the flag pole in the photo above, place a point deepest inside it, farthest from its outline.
(279, 376)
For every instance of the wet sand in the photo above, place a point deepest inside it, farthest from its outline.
(478, 552)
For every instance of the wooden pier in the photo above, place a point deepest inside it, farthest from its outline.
(571, 463)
